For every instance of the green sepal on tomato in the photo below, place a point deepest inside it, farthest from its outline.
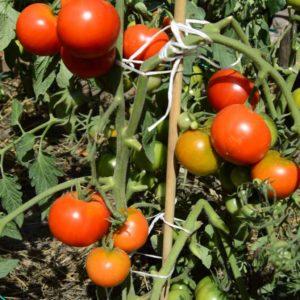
(207, 289)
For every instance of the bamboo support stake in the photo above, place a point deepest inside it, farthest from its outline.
(180, 9)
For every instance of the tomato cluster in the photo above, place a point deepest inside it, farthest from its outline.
(84, 33)
(238, 135)
(81, 223)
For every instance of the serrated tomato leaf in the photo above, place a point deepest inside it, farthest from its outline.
(16, 112)
(25, 145)
(7, 265)
(11, 230)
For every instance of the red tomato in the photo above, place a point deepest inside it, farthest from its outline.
(88, 28)
(88, 67)
(78, 223)
(134, 233)
(281, 173)
(65, 2)
(36, 30)
(108, 268)
(137, 35)
(240, 135)
(228, 87)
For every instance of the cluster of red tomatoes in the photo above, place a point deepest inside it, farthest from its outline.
(238, 135)
(81, 223)
(84, 33)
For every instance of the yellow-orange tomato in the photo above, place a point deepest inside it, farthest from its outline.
(281, 173)
(108, 268)
(134, 232)
(194, 152)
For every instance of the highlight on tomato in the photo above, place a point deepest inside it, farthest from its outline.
(227, 87)
(88, 67)
(88, 28)
(240, 135)
(281, 173)
(194, 152)
(78, 223)
(136, 36)
(108, 268)
(133, 234)
(36, 30)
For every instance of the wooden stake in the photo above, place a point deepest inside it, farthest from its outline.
(180, 9)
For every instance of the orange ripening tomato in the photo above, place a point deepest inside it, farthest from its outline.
(107, 268)
(134, 232)
(136, 36)
(65, 2)
(76, 222)
(88, 67)
(240, 135)
(227, 87)
(281, 173)
(36, 30)
(194, 152)
(88, 28)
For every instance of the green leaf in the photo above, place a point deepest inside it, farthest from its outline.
(148, 139)
(11, 196)
(224, 55)
(44, 173)
(17, 109)
(63, 76)
(44, 74)
(202, 253)
(8, 19)
(7, 265)
(11, 231)
(25, 144)
(194, 12)
(275, 5)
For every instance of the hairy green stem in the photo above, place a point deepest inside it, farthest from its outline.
(181, 240)
(27, 205)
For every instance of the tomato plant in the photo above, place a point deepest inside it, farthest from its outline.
(194, 152)
(281, 173)
(106, 165)
(227, 87)
(76, 222)
(180, 291)
(36, 30)
(296, 96)
(107, 268)
(208, 290)
(88, 29)
(240, 135)
(135, 36)
(134, 233)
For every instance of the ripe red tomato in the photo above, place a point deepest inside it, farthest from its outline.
(134, 233)
(240, 135)
(88, 28)
(65, 2)
(108, 268)
(194, 152)
(36, 30)
(137, 35)
(88, 67)
(281, 173)
(228, 87)
(78, 223)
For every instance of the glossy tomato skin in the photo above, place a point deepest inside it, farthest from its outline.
(296, 93)
(281, 173)
(36, 30)
(227, 87)
(137, 35)
(65, 2)
(88, 67)
(240, 135)
(180, 292)
(78, 223)
(207, 289)
(106, 165)
(88, 28)
(194, 152)
(108, 268)
(134, 233)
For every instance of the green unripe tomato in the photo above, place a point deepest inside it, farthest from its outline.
(154, 83)
(240, 175)
(272, 127)
(197, 78)
(148, 180)
(296, 93)
(160, 157)
(294, 3)
(232, 205)
(162, 131)
(180, 292)
(184, 121)
(208, 290)
(106, 165)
